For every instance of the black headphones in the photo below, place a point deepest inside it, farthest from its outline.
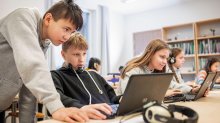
(79, 69)
(171, 59)
(154, 112)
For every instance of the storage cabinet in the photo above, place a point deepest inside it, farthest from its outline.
(208, 40)
(182, 36)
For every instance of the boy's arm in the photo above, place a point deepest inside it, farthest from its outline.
(21, 33)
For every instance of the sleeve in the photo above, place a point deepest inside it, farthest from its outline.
(66, 100)
(201, 77)
(123, 82)
(182, 86)
(21, 33)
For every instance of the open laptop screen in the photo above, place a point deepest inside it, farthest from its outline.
(142, 88)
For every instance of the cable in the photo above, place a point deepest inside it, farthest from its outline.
(90, 97)
(100, 91)
(131, 112)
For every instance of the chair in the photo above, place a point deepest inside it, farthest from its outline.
(14, 113)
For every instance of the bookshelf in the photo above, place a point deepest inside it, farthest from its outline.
(208, 40)
(183, 36)
(197, 39)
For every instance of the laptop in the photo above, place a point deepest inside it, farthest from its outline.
(202, 89)
(142, 88)
(214, 85)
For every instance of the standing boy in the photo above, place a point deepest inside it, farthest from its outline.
(24, 38)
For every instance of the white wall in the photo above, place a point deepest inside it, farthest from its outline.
(8, 6)
(94, 38)
(116, 36)
(122, 27)
(192, 11)
(116, 41)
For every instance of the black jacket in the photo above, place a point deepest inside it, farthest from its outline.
(72, 92)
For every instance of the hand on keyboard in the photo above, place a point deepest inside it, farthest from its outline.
(172, 92)
(175, 98)
(97, 111)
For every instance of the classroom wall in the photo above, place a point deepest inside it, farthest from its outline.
(122, 27)
(116, 34)
(191, 11)
(117, 41)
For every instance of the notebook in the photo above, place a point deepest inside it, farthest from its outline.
(202, 89)
(142, 88)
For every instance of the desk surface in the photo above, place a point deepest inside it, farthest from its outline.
(208, 109)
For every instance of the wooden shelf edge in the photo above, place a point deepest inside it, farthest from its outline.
(211, 54)
(182, 40)
(208, 37)
(188, 73)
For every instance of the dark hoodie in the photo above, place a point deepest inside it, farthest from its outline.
(72, 92)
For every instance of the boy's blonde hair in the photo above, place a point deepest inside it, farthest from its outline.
(76, 41)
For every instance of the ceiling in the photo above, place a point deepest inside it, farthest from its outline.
(136, 6)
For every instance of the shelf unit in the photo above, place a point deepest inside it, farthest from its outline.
(208, 40)
(203, 37)
(183, 36)
(190, 36)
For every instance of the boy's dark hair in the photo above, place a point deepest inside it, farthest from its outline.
(92, 61)
(67, 9)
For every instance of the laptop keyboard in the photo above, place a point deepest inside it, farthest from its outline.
(189, 96)
(114, 111)
(114, 108)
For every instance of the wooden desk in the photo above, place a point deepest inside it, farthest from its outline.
(208, 109)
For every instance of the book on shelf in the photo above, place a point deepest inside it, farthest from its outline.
(202, 62)
(209, 46)
(187, 47)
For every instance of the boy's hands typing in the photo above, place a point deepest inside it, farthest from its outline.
(97, 111)
(70, 115)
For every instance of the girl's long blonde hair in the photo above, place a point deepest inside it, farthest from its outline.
(145, 58)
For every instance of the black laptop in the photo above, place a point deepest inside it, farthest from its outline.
(203, 87)
(142, 88)
(214, 85)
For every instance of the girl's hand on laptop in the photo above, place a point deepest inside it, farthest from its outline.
(195, 89)
(172, 92)
(206, 92)
(192, 84)
(97, 111)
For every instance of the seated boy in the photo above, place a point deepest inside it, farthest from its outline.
(80, 88)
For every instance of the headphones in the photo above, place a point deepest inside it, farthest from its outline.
(79, 69)
(171, 59)
(154, 112)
